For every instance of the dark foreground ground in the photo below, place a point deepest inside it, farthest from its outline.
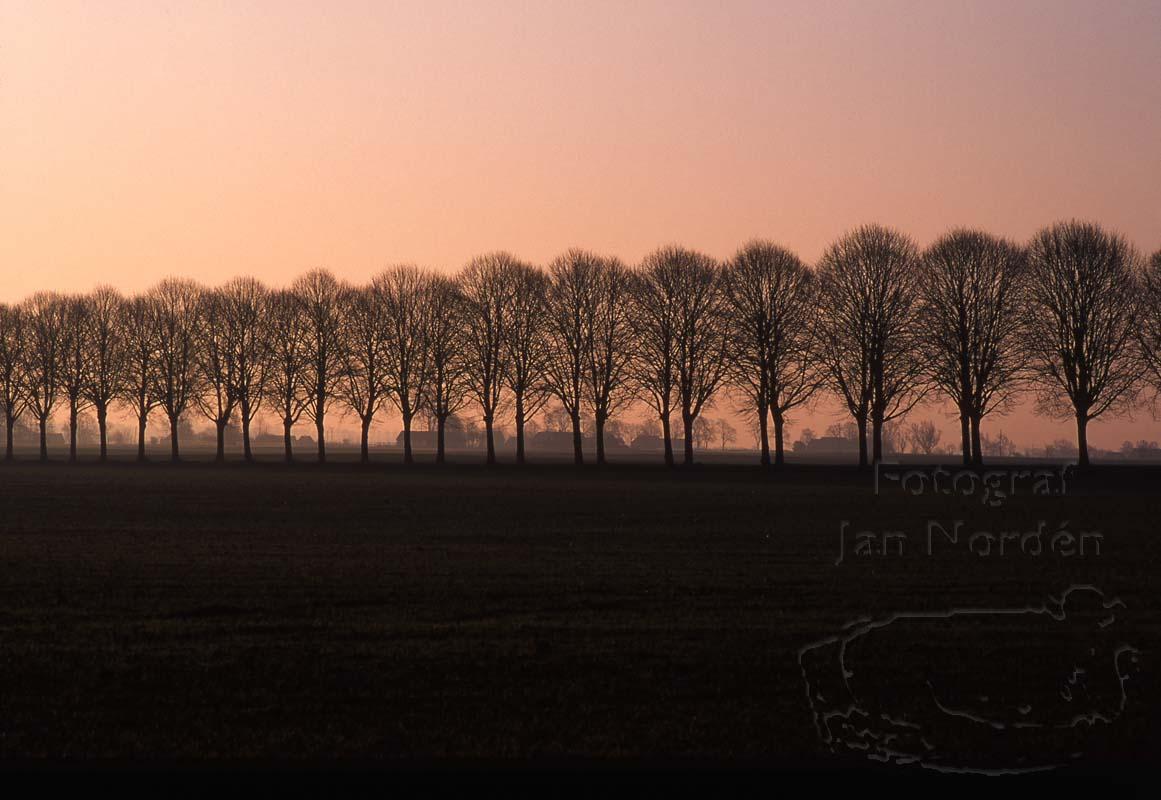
(193, 612)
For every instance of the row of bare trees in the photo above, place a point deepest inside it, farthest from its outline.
(1073, 317)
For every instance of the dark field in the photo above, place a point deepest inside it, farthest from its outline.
(632, 613)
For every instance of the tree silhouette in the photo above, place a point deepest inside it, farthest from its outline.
(318, 292)
(174, 306)
(680, 316)
(1083, 311)
(13, 395)
(655, 318)
(610, 352)
(570, 306)
(972, 288)
(447, 387)
(214, 356)
(288, 378)
(868, 337)
(108, 356)
(877, 323)
(924, 436)
(246, 309)
(526, 342)
(406, 297)
(74, 364)
(773, 305)
(363, 383)
(1149, 326)
(487, 298)
(138, 384)
(45, 313)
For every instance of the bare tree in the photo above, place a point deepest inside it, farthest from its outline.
(772, 298)
(108, 367)
(319, 294)
(972, 289)
(215, 364)
(287, 331)
(724, 432)
(13, 397)
(611, 349)
(700, 343)
(704, 430)
(925, 436)
(655, 318)
(247, 306)
(406, 296)
(1149, 325)
(867, 328)
(447, 386)
(46, 315)
(138, 383)
(678, 313)
(570, 305)
(1083, 312)
(526, 341)
(74, 364)
(174, 305)
(486, 291)
(365, 358)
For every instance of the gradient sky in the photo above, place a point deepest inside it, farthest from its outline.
(209, 139)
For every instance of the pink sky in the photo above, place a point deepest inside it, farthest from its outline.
(209, 139)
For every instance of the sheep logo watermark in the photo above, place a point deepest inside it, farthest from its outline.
(985, 690)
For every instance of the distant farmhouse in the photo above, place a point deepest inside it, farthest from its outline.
(23, 434)
(826, 445)
(648, 443)
(453, 439)
(561, 442)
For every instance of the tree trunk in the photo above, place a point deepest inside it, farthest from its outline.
(687, 423)
(103, 432)
(247, 454)
(519, 428)
(440, 426)
(668, 442)
(220, 456)
(862, 421)
(600, 425)
(764, 434)
(142, 420)
(44, 438)
(72, 433)
(364, 436)
(322, 442)
(174, 452)
(779, 440)
(578, 453)
(408, 458)
(9, 421)
(977, 450)
(1082, 439)
(287, 440)
(966, 437)
(877, 436)
(491, 441)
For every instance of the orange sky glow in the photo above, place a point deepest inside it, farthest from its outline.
(211, 139)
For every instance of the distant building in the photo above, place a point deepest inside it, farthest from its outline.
(27, 434)
(824, 445)
(453, 439)
(647, 443)
(561, 442)
(552, 441)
